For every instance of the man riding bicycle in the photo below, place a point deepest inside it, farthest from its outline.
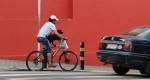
(44, 32)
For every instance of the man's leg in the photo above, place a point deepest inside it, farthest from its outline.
(45, 42)
(47, 50)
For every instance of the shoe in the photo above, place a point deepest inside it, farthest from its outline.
(44, 65)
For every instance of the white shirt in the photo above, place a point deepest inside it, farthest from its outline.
(46, 29)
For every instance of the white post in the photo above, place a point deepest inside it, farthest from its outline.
(39, 17)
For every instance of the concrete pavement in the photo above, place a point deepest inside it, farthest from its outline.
(20, 65)
(13, 65)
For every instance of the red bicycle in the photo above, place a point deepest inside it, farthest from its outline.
(67, 60)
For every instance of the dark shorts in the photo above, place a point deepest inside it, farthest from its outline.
(45, 43)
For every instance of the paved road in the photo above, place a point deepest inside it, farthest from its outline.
(59, 75)
(16, 70)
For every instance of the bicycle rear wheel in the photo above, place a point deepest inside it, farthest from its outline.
(68, 61)
(34, 61)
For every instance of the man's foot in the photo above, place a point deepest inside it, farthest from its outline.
(44, 65)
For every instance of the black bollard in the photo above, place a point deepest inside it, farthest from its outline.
(82, 55)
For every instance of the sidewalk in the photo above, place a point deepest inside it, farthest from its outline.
(16, 65)
(11, 65)
(6, 65)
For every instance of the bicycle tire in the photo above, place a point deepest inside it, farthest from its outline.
(35, 59)
(70, 64)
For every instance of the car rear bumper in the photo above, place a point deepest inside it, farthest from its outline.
(120, 57)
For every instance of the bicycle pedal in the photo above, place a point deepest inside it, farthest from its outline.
(52, 65)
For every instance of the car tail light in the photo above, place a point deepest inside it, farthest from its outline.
(100, 43)
(127, 46)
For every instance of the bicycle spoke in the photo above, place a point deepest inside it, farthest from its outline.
(34, 61)
(68, 61)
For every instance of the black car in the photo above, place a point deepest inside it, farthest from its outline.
(130, 50)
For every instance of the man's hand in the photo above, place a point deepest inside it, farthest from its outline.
(59, 35)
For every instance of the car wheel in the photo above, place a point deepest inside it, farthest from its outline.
(120, 69)
(142, 71)
(147, 71)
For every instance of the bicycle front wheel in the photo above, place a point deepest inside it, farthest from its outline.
(34, 61)
(68, 61)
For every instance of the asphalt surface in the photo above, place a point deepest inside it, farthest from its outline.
(59, 75)
(16, 70)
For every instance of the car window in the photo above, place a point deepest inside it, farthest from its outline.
(145, 35)
(136, 32)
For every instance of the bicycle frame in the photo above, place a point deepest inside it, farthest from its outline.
(58, 48)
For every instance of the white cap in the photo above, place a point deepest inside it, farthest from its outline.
(54, 17)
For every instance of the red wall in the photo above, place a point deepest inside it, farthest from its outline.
(81, 20)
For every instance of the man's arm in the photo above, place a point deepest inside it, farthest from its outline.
(59, 35)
